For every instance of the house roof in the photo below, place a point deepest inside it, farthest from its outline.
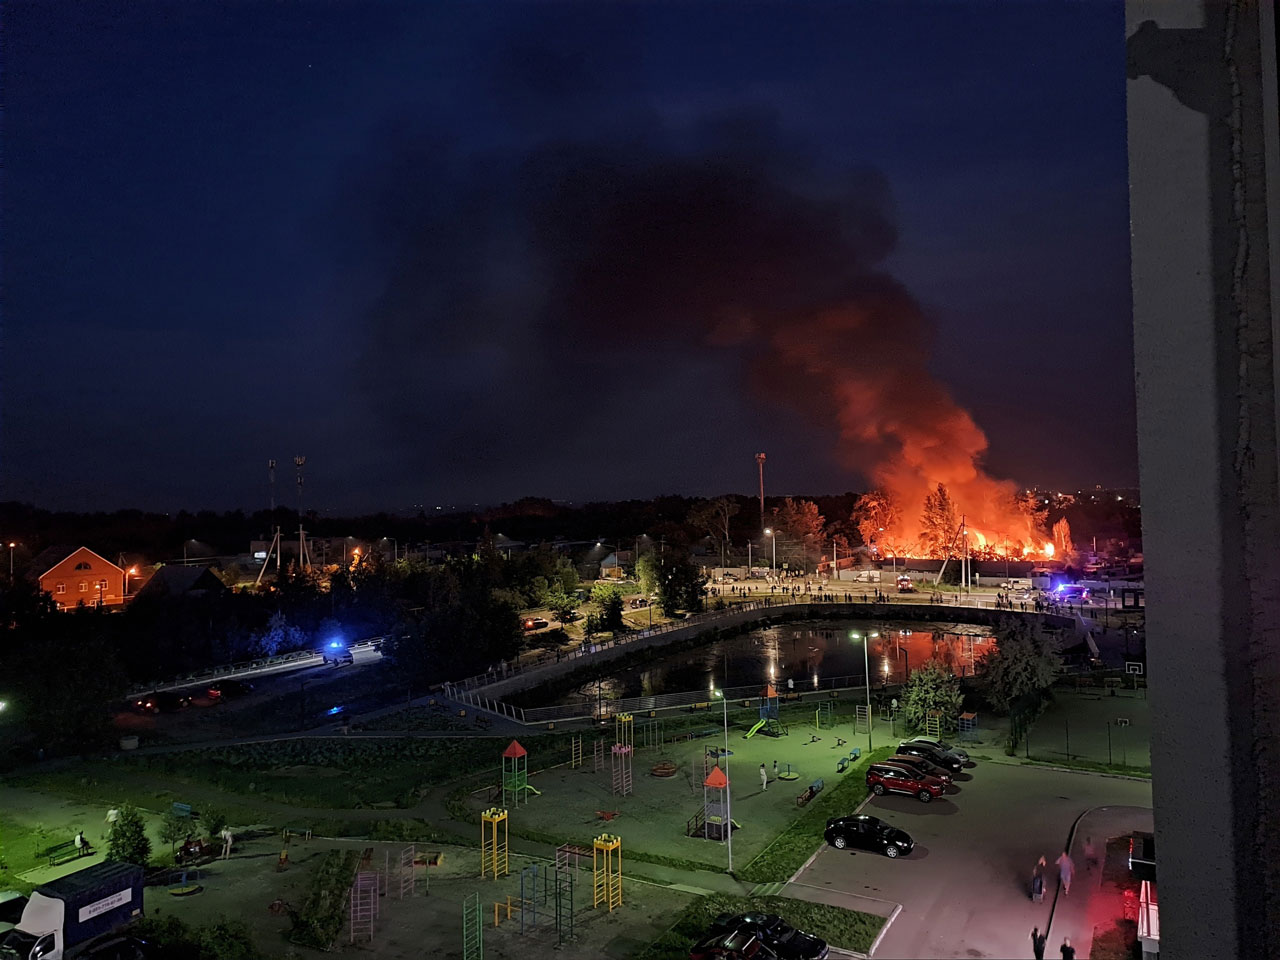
(50, 557)
(176, 579)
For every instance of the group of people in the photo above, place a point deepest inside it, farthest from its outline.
(1066, 873)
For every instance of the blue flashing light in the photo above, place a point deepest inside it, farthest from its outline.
(332, 710)
(335, 644)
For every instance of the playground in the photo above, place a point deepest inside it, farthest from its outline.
(666, 795)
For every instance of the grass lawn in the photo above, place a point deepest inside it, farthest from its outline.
(846, 929)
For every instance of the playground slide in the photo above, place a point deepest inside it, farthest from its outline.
(752, 732)
(534, 790)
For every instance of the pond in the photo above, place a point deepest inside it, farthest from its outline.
(799, 656)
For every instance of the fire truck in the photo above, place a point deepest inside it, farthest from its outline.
(906, 584)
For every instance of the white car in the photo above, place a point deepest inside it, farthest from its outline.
(943, 747)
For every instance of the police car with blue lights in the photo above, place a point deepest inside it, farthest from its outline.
(337, 653)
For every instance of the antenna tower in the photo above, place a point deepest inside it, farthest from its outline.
(271, 482)
(304, 560)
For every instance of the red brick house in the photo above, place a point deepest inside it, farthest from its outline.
(73, 574)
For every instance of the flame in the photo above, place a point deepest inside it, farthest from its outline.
(1048, 549)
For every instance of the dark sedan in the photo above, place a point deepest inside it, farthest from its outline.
(776, 934)
(869, 833)
(164, 701)
(229, 689)
(950, 764)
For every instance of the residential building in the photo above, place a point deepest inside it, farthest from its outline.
(74, 575)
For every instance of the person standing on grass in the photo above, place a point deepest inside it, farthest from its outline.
(1066, 870)
(764, 778)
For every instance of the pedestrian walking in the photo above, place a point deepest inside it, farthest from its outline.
(227, 840)
(1066, 870)
(1068, 951)
(1037, 942)
(764, 778)
(1090, 853)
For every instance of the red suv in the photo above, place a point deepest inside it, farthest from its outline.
(885, 778)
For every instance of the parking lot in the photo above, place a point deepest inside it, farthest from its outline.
(964, 889)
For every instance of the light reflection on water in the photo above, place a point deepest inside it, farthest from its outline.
(797, 656)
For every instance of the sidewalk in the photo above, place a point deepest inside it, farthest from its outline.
(1091, 903)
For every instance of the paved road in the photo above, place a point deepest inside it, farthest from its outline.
(964, 890)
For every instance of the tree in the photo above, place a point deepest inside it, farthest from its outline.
(128, 842)
(563, 606)
(879, 522)
(647, 567)
(1026, 660)
(608, 599)
(172, 939)
(213, 820)
(800, 522)
(1036, 512)
(173, 828)
(680, 585)
(713, 516)
(938, 523)
(932, 687)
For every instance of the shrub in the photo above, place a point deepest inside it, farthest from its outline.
(129, 842)
(320, 920)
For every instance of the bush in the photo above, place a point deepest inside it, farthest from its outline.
(174, 940)
(324, 911)
(129, 842)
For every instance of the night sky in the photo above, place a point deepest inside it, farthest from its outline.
(460, 253)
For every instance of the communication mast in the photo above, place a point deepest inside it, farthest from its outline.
(271, 482)
(304, 559)
(760, 462)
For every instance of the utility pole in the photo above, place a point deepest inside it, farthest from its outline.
(760, 463)
(271, 482)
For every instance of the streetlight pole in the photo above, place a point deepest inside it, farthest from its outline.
(773, 565)
(866, 677)
(728, 788)
(11, 546)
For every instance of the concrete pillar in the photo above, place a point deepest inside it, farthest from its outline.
(1203, 169)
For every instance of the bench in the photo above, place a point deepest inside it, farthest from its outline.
(182, 810)
(810, 792)
(698, 734)
(60, 852)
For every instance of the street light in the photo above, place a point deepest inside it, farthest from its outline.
(866, 676)
(728, 801)
(131, 572)
(11, 546)
(773, 566)
(395, 548)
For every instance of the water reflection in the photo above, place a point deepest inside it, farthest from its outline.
(797, 656)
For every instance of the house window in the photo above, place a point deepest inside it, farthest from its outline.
(102, 584)
(62, 588)
(84, 587)
(83, 565)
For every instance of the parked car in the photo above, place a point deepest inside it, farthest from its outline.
(885, 778)
(926, 752)
(535, 623)
(163, 701)
(639, 603)
(921, 765)
(869, 833)
(943, 747)
(784, 940)
(730, 578)
(229, 689)
(736, 945)
(119, 946)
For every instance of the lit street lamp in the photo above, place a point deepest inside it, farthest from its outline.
(395, 548)
(131, 572)
(11, 546)
(728, 802)
(773, 566)
(866, 676)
